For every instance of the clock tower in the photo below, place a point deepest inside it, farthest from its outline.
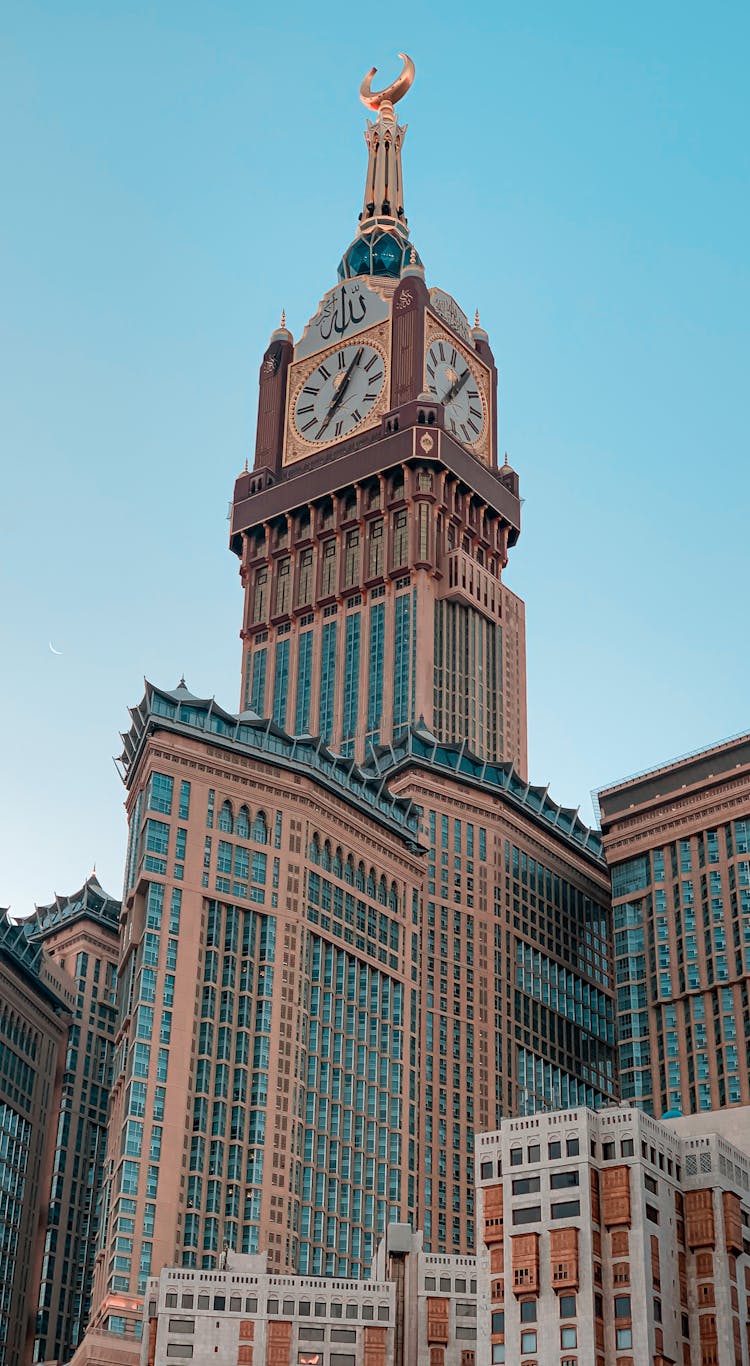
(375, 524)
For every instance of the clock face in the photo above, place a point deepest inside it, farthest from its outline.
(339, 393)
(453, 382)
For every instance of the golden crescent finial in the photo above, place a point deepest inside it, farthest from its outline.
(374, 99)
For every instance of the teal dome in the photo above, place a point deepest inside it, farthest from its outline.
(379, 251)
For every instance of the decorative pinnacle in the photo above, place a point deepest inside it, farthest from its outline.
(283, 318)
(506, 461)
(246, 469)
(476, 318)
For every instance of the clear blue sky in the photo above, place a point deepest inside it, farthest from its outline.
(173, 174)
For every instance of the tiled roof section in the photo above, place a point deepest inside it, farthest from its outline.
(28, 958)
(202, 718)
(418, 745)
(90, 900)
(15, 942)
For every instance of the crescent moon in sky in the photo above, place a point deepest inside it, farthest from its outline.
(54, 651)
(374, 98)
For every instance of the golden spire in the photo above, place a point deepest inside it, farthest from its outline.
(384, 193)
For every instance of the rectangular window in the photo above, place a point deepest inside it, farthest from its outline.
(157, 837)
(184, 800)
(351, 559)
(565, 1209)
(376, 549)
(260, 599)
(160, 793)
(304, 681)
(283, 580)
(401, 659)
(529, 1214)
(327, 679)
(258, 689)
(328, 575)
(281, 683)
(526, 1185)
(424, 533)
(304, 585)
(375, 691)
(562, 1180)
(400, 539)
(351, 675)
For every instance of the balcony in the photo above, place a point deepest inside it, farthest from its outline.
(468, 582)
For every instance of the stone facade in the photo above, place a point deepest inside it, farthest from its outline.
(613, 1238)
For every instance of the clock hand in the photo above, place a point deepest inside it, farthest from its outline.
(339, 395)
(456, 387)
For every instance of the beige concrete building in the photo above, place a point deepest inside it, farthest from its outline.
(415, 1310)
(612, 1239)
(677, 842)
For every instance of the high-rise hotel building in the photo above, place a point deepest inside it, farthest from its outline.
(36, 1003)
(80, 933)
(353, 933)
(677, 840)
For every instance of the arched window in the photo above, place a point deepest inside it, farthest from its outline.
(326, 859)
(242, 827)
(260, 828)
(315, 850)
(226, 822)
(338, 863)
(393, 898)
(359, 880)
(383, 891)
(371, 883)
(349, 870)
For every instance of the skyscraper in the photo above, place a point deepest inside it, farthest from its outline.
(81, 934)
(677, 840)
(353, 932)
(375, 524)
(36, 1003)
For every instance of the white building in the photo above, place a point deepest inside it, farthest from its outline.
(610, 1237)
(417, 1310)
